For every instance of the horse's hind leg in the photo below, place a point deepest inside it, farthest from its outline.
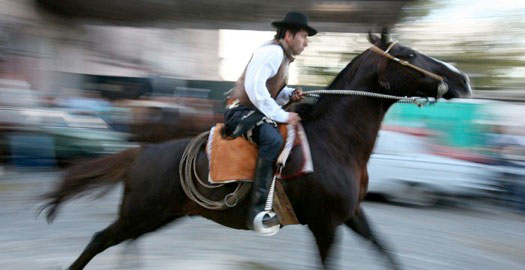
(115, 234)
(359, 224)
(100, 241)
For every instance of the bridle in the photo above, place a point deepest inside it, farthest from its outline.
(442, 88)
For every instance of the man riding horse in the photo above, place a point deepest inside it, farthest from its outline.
(254, 107)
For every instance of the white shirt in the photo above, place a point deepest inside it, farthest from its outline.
(265, 64)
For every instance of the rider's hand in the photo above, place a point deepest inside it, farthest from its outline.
(297, 94)
(293, 118)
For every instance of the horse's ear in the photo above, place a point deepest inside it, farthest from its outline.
(385, 36)
(373, 39)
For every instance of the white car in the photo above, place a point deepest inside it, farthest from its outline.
(403, 171)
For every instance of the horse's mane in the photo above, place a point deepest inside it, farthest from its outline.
(311, 110)
(348, 72)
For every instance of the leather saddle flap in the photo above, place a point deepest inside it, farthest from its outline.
(232, 160)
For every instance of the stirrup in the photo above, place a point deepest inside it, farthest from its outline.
(259, 227)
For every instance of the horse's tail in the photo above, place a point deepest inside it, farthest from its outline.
(103, 172)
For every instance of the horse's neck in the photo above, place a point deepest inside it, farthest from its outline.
(349, 127)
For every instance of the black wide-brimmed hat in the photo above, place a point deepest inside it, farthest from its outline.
(295, 19)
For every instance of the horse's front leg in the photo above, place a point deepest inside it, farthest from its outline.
(324, 237)
(359, 224)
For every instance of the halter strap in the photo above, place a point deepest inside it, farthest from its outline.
(403, 62)
(390, 47)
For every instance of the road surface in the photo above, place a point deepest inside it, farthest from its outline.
(474, 237)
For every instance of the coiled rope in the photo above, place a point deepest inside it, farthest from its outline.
(189, 177)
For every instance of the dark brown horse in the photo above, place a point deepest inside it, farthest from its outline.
(341, 130)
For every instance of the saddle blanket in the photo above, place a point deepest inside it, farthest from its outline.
(232, 160)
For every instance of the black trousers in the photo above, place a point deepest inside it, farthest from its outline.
(266, 135)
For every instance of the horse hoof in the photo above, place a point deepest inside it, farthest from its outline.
(259, 226)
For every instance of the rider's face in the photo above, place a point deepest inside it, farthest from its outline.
(297, 42)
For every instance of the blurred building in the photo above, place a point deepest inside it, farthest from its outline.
(327, 15)
(41, 40)
(52, 44)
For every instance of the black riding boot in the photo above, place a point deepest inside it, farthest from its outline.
(260, 190)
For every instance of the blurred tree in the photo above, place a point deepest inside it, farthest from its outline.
(417, 9)
(488, 52)
(491, 52)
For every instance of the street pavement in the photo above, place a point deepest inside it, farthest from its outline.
(472, 236)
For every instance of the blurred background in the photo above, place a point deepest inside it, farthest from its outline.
(81, 79)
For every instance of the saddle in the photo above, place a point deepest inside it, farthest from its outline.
(233, 160)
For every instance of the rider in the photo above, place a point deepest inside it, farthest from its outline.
(254, 104)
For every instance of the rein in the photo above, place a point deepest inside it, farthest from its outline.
(419, 101)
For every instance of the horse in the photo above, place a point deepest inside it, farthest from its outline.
(341, 131)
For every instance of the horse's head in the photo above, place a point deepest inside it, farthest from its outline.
(403, 71)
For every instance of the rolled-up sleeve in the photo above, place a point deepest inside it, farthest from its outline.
(284, 95)
(264, 64)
